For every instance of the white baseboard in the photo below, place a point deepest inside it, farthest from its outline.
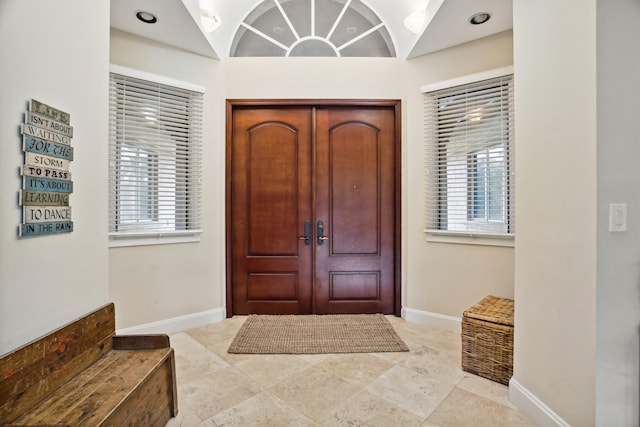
(177, 324)
(523, 399)
(532, 407)
(440, 321)
(189, 321)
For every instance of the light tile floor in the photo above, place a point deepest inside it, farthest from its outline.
(424, 387)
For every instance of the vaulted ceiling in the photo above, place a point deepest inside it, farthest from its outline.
(446, 22)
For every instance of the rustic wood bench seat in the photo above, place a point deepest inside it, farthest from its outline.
(84, 375)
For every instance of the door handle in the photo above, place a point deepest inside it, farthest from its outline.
(320, 233)
(307, 233)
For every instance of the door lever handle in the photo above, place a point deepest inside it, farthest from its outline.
(307, 233)
(320, 233)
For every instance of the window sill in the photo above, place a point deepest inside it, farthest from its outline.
(119, 240)
(463, 238)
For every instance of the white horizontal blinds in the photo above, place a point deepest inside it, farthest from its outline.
(469, 132)
(155, 156)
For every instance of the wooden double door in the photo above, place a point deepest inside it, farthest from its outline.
(313, 208)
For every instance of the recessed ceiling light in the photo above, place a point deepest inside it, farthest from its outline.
(278, 30)
(146, 17)
(351, 30)
(479, 18)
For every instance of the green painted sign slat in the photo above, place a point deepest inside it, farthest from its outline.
(43, 198)
(46, 184)
(53, 149)
(38, 229)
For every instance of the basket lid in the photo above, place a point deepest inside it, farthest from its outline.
(492, 309)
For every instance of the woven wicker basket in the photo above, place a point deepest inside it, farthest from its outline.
(487, 339)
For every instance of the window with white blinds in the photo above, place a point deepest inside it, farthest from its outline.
(155, 158)
(470, 158)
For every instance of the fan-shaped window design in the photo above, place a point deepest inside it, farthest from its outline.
(312, 28)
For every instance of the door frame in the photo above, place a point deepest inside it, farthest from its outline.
(396, 104)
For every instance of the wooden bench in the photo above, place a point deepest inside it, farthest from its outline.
(82, 374)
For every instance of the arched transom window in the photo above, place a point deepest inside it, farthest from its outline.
(312, 28)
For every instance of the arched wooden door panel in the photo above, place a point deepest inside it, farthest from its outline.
(355, 199)
(312, 209)
(271, 181)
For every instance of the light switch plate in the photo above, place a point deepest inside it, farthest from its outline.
(617, 217)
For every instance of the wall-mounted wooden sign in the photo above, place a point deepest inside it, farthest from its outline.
(45, 134)
(48, 123)
(46, 213)
(38, 229)
(35, 159)
(46, 184)
(43, 198)
(28, 170)
(46, 180)
(47, 148)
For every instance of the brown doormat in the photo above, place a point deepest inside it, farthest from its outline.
(313, 334)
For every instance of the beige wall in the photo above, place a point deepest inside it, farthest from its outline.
(618, 306)
(148, 283)
(555, 257)
(446, 278)
(160, 282)
(51, 52)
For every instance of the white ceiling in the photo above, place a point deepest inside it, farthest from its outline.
(179, 22)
